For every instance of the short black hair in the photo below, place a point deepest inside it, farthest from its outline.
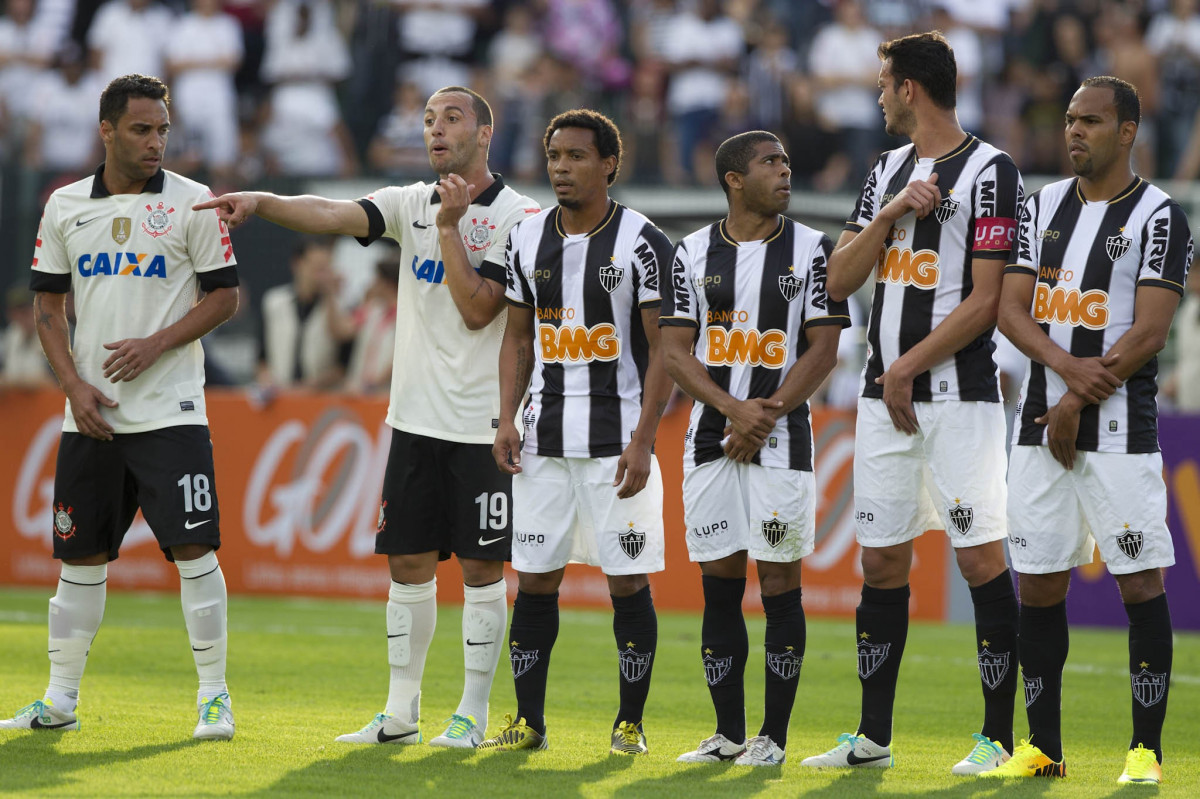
(736, 152)
(1125, 97)
(608, 137)
(479, 106)
(927, 59)
(115, 97)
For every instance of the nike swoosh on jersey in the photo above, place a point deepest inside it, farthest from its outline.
(484, 543)
(419, 226)
(187, 525)
(855, 760)
(36, 724)
(385, 738)
(82, 222)
(478, 643)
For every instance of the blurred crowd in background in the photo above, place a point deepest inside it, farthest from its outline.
(268, 89)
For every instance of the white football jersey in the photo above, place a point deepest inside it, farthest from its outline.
(134, 263)
(445, 378)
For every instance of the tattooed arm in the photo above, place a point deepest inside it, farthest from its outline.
(516, 368)
(50, 313)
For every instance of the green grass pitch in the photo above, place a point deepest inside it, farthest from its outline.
(303, 671)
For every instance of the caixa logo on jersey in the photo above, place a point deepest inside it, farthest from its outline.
(1071, 307)
(132, 264)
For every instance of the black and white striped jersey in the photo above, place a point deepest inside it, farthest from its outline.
(587, 292)
(1089, 259)
(924, 269)
(750, 303)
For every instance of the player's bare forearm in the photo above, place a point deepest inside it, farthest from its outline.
(1153, 311)
(306, 213)
(478, 299)
(974, 316)
(854, 258)
(689, 373)
(1019, 327)
(50, 316)
(516, 360)
(810, 369)
(657, 385)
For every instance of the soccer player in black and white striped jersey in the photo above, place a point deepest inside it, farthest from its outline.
(933, 225)
(749, 294)
(1097, 274)
(583, 283)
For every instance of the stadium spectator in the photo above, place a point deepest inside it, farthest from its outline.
(22, 362)
(1085, 469)
(295, 346)
(26, 50)
(929, 441)
(968, 59)
(62, 126)
(843, 64)
(124, 445)
(370, 370)
(768, 69)
(588, 33)
(586, 483)
(703, 53)
(203, 55)
(1122, 53)
(398, 148)
(748, 485)
(512, 53)
(444, 402)
(129, 37)
(1174, 38)
(437, 39)
(1183, 386)
(303, 133)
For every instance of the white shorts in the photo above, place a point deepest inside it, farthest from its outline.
(1110, 499)
(729, 507)
(949, 475)
(565, 510)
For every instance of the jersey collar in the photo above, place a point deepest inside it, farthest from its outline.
(153, 186)
(489, 194)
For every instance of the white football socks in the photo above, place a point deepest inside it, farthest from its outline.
(485, 616)
(202, 594)
(75, 614)
(411, 620)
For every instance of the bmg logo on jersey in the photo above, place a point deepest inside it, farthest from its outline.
(745, 347)
(578, 343)
(135, 264)
(908, 268)
(1071, 307)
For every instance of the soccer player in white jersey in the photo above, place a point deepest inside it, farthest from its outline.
(583, 283)
(442, 494)
(1097, 274)
(933, 226)
(150, 277)
(748, 294)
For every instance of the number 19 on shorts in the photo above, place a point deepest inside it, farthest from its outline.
(493, 511)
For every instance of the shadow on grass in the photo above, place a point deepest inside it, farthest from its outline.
(32, 760)
(870, 782)
(429, 771)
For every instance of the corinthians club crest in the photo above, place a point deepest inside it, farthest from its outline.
(1130, 543)
(961, 516)
(479, 237)
(715, 669)
(522, 660)
(1117, 245)
(790, 285)
(870, 657)
(1148, 688)
(774, 531)
(992, 667)
(946, 209)
(632, 542)
(786, 665)
(158, 222)
(634, 665)
(611, 275)
(64, 526)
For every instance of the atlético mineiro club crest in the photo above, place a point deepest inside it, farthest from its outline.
(64, 526)
(946, 209)
(632, 542)
(715, 669)
(961, 516)
(1117, 245)
(479, 237)
(992, 667)
(1148, 688)
(774, 531)
(1033, 689)
(790, 285)
(158, 222)
(785, 665)
(1131, 543)
(634, 665)
(871, 657)
(611, 275)
(522, 660)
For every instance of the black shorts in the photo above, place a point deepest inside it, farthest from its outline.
(99, 486)
(445, 496)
